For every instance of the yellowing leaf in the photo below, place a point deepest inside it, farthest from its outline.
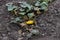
(30, 22)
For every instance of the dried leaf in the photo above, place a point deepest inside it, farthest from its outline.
(15, 12)
(19, 32)
(38, 12)
(25, 17)
(22, 24)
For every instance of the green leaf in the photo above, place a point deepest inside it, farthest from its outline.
(17, 19)
(45, 1)
(24, 5)
(21, 9)
(37, 3)
(44, 8)
(36, 8)
(30, 15)
(10, 6)
(48, 1)
(22, 13)
(29, 6)
(43, 4)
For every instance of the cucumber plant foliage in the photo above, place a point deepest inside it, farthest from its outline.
(25, 13)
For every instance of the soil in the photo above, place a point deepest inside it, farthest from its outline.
(49, 23)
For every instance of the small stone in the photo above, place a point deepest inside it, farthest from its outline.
(20, 38)
(23, 33)
(19, 32)
(29, 35)
(43, 34)
(3, 35)
(5, 38)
